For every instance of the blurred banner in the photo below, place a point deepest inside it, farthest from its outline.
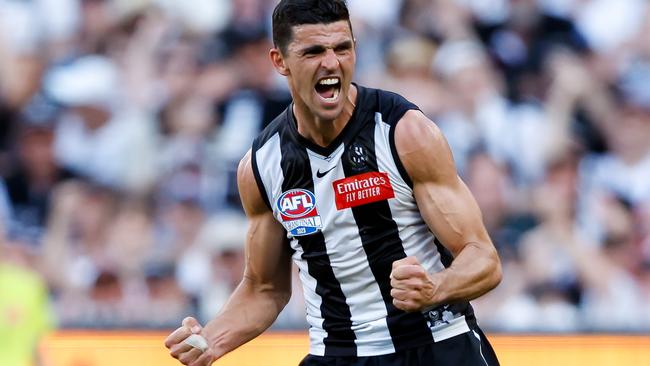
(76, 348)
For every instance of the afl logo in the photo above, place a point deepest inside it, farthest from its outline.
(296, 203)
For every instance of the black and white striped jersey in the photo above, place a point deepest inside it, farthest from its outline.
(349, 213)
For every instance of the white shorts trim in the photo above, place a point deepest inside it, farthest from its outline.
(453, 328)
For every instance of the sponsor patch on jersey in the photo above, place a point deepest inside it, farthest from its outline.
(297, 208)
(362, 189)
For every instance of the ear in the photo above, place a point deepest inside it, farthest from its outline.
(277, 59)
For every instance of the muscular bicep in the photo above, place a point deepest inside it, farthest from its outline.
(452, 214)
(268, 258)
(445, 202)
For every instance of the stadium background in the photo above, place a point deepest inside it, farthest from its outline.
(122, 122)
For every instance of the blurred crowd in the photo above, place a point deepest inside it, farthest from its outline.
(122, 123)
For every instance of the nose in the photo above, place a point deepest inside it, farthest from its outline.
(330, 60)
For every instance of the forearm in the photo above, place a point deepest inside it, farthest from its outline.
(249, 312)
(475, 271)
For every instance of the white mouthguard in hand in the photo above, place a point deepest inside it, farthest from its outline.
(197, 341)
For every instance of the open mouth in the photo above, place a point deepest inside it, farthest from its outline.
(328, 88)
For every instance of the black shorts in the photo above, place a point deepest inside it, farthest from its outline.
(467, 349)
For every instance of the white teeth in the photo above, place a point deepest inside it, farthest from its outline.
(330, 81)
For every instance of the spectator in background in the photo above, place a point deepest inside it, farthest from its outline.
(100, 306)
(613, 296)
(259, 97)
(31, 181)
(100, 137)
(98, 26)
(74, 250)
(183, 159)
(620, 115)
(154, 91)
(552, 273)
(95, 257)
(505, 213)
(20, 70)
(179, 219)
(409, 73)
(166, 301)
(214, 264)
(625, 168)
(5, 210)
(642, 220)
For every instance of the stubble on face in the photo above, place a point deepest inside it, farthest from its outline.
(321, 59)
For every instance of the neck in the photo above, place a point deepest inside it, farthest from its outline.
(319, 131)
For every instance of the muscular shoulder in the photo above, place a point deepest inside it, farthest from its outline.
(249, 192)
(392, 106)
(422, 148)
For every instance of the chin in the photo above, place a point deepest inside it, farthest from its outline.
(327, 115)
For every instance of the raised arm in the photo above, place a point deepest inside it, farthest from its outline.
(259, 298)
(450, 211)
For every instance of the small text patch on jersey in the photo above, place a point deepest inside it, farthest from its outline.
(298, 212)
(362, 189)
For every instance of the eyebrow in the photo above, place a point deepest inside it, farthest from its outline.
(316, 49)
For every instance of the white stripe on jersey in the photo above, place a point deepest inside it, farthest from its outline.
(343, 243)
(271, 172)
(417, 240)
(349, 262)
(268, 159)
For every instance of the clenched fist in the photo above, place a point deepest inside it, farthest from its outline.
(413, 289)
(181, 349)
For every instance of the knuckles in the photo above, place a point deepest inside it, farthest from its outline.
(405, 261)
(186, 359)
(405, 305)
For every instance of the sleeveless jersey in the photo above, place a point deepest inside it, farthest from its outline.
(349, 213)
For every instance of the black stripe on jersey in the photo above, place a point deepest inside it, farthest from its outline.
(269, 132)
(258, 178)
(398, 162)
(392, 107)
(340, 340)
(382, 244)
(445, 255)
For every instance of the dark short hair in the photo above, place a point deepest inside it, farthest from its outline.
(290, 13)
